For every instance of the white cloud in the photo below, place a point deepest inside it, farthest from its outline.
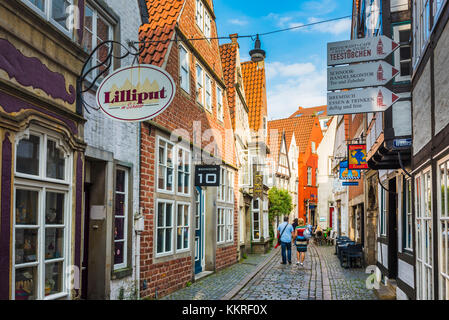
(334, 27)
(293, 85)
(294, 70)
(238, 22)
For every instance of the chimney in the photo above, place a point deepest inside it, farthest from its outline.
(234, 38)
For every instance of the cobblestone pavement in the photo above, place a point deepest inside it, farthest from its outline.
(215, 286)
(322, 277)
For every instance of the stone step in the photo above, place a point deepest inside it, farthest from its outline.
(387, 292)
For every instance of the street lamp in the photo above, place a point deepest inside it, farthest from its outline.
(257, 54)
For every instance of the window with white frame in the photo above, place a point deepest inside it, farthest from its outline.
(219, 103)
(242, 224)
(165, 165)
(309, 176)
(199, 84)
(55, 11)
(256, 219)
(408, 218)
(423, 231)
(383, 212)
(230, 180)
(121, 219)
(199, 17)
(207, 23)
(229, 225)
(313, 147)
(182, 222)
(164, 226)
(421, 30)
(221, 225)
(184, 68)
(437, 6)
(183, 160)
(202, 18)
(97, 29)
(42, 202)
(403, 56)
(443, 232)
(208, 93)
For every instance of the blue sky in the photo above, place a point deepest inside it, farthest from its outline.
(296, 60)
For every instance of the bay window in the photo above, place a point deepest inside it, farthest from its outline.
(41, 221)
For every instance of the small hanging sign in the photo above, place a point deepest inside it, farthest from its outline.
(136, 93)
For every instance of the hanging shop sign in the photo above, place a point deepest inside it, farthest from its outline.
(207, 176)
(357, 157)
(346, 173)
(360, 101)
(257, 183)
(136, 93)
(350, 183)
(360, 75)
(360, 50)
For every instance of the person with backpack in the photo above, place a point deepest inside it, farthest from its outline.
(285, 233)
(302, 233)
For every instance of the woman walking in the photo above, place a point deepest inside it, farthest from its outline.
(301, 242)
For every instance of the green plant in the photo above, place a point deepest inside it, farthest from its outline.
(280, 203)
(188, 284)
(244, 256)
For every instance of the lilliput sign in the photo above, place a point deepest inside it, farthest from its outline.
(136, 93)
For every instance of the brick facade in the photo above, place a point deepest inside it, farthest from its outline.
(163, 275)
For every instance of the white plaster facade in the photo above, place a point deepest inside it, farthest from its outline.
(325, 176)
(119, 138)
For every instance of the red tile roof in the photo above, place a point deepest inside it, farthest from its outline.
(254, 81)
(228, 53)
(163, 15)
(301, 126)
(311, 111)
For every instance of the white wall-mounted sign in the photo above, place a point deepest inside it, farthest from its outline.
(360, 101)
(136, 93)
(360, 50)
(360, 75)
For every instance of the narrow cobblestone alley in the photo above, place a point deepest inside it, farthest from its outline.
(262, 277)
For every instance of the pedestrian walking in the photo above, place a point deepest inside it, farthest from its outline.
(295, 223)
(285, 233)
(301, 242)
